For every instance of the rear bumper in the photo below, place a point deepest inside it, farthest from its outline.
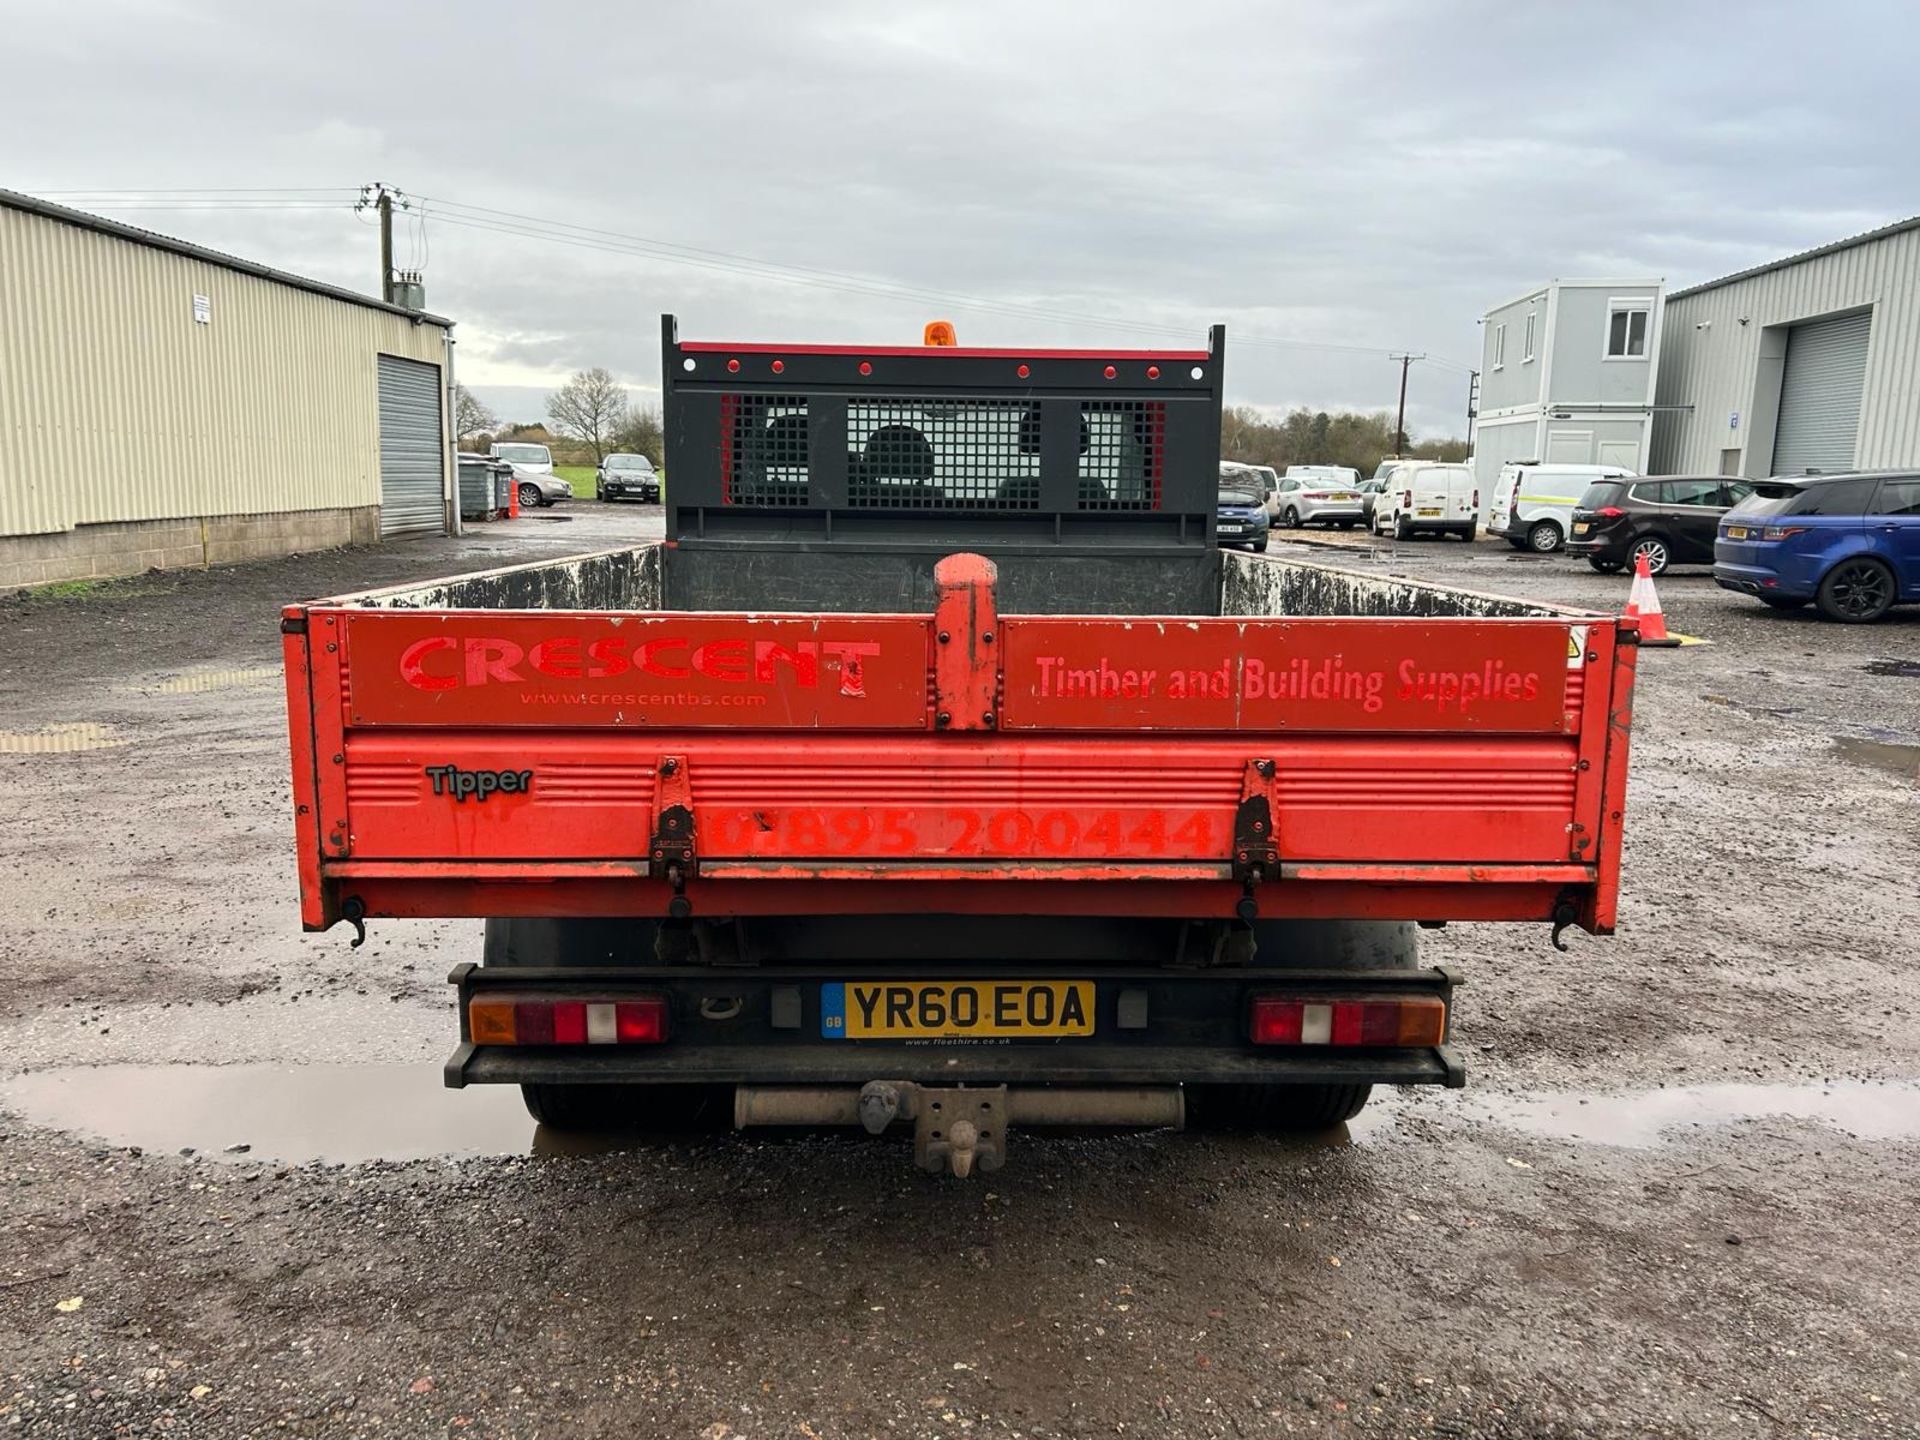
(1604, 547)
(1761, 580)
(1152, 1027)
(1320, 514)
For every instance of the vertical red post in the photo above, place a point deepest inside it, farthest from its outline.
(966, 644)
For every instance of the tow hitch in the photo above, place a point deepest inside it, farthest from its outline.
(958, 1129)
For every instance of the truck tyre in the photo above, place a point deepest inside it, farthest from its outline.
(659, 1109)
(1306, 945)
(1543, 537)
(614, 944)
(1857, 591)
(1274, 1107)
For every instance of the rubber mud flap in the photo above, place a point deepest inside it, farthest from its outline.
(1338, 944)
(543, 943)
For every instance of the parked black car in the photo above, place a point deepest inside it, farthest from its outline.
(1671, 519)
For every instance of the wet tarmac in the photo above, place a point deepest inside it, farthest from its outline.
(1675, 1202)
(352, 1114)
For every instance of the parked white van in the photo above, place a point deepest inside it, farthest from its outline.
(1428, 495)
(1533, 503)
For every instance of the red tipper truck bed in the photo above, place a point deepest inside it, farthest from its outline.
(846, 862)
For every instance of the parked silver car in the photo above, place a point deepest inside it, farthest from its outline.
(537, 489)
(1319, 495)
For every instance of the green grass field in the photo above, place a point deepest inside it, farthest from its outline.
(581, 478)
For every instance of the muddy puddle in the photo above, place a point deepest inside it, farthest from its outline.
(1895, 669)
(1639, 1119)
(292, 1114)
(348, 1114)
(1901, 760)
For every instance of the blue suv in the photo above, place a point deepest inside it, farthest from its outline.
(1849, 543)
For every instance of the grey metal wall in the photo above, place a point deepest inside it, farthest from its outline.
(1819, 419)
(116, 404)
(412, 454)
(1734, 365)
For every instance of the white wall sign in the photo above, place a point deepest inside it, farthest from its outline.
(202, 310)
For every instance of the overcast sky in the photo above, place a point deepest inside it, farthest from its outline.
(1370, 174)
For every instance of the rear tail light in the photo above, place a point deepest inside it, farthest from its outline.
(1476, 499)
(1292, 1020)
(1406, 497)
(549, 1020)
(1783, 532)
(1610, 512)
(1318, 495)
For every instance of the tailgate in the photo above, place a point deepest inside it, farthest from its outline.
(459, 762)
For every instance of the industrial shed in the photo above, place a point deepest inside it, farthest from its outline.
(1808, 363)
(162, 405)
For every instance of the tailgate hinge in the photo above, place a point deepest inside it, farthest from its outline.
(966, 649)
(1256, 834)
(672, 845)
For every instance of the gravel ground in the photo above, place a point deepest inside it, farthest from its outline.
(1677, 1199)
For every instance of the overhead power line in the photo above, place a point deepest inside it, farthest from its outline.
(514, 224)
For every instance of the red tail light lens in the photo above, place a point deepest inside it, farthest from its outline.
(1406, 497)
(1476, 499)
(551, 1020)
(1609, 512)
(1296, 1020)
(1783, 532)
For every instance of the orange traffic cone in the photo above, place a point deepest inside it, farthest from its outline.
(1644, 605)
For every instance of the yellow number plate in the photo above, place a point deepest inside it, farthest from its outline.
(1582, 528)
(1736, 532)
(964, 1010)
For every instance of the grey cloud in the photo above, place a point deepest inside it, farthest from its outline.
(1373, 174)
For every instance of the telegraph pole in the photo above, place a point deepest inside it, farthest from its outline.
(1473, 405)
(379, 195)
(1400, 425)
(386, 250)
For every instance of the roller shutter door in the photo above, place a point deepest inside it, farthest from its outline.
(1820, 395)
(412, 460)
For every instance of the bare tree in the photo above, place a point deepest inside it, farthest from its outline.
(642, 435)
(590, 408)
(470, 416)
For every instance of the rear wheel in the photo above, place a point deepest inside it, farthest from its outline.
(605, 944)
(1604, 565)
(1856, 591)
(1290, 518)
(1783, 602)
(1306, 944)
(674, 1109)
(1402, 529)
(1656, 551)
(1543, 538)
(1274, 1107)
